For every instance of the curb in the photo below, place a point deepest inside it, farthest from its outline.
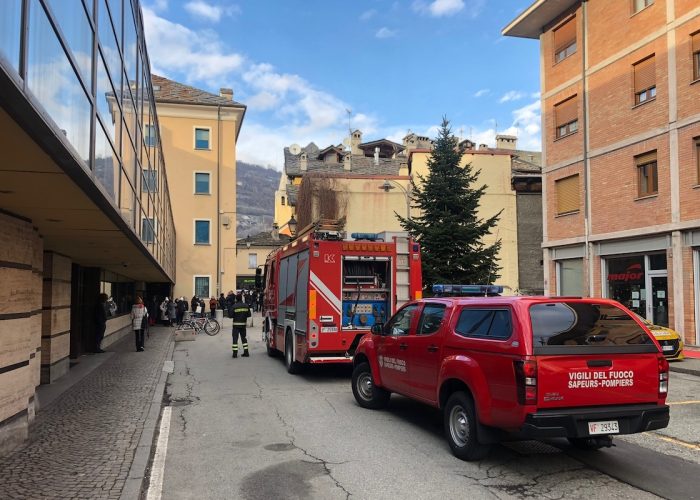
(687, 371)
(137, 471)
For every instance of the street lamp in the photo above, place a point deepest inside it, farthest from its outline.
(291, 224)
(388, 185)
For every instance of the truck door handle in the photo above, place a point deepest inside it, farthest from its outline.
(432, 348)
(403, 346)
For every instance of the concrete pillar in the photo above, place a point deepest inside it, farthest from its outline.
(55, 324)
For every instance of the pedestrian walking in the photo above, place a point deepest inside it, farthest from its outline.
(194, 303)
(240, 312)
(139, 322)
(164, 311)
(172, 312)
(212, 307)
(181, 308)
(100, 321)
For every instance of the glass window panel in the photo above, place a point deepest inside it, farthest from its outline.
(431, 318)
(127, 200)
(150, 180)
(201, 286)
(474, 323)
(252, 261)
(106, 104)
(73, 21)
(115, 8)
(571, 277)
(106, 163)
(657, 261)
(201, 232)
(148, 229)
(51, 78)
(10, 23)
(149, 137)
(108, 44)
(201, 138)
(201, 183)
(130, 48)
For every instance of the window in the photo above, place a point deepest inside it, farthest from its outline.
(695, 44)
(568, 194)
(565, 40)
(638, 5)
(570, 277)
(150, 181)
(283, 203)
(566, 117)
(149, 135)
(201, 183)
(401, 322)
(431, 318)
(201, 138)
(490, 323)
(252, 261)
(148, 230)
(201, 232)
(645, 80)
(201, 286)
(647, 176)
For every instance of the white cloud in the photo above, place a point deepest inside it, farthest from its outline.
(385, 32)
(481, 93)
(199, 55)
(441, 8)
(512, 95)
(368, 14)
(159, 5)
(209, 12)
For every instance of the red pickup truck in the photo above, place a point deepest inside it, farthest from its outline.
(518, 368)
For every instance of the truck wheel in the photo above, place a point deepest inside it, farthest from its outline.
(460, 428)
(590, 443)
(271, 351)
(293, 367)
(367, 394)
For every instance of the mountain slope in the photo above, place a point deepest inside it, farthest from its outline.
(255, 198)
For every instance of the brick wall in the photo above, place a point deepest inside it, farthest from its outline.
(688, 171)
(20, 326)
(689, 319)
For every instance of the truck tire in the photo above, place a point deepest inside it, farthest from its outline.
(591, 444)
(269, 332)
(460, 428)
(293, 367)
(367, 394)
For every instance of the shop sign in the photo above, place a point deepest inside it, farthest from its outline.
(633, 273)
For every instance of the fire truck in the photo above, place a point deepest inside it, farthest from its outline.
(322, 293)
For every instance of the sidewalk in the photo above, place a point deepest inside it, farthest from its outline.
(83, 442)
(690, 365)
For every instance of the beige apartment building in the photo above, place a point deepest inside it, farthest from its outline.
(373, 184)
(252, 252)
(620, 86)
(199, 131)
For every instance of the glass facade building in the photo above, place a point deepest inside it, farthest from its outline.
(83, 65)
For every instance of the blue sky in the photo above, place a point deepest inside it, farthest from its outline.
(397, 65)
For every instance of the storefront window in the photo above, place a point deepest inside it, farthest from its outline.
(640, 283)
(570, 277)
(120, 293)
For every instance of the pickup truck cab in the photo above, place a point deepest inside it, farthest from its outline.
(518, 368)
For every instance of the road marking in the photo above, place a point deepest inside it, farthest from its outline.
(155, 486)
(683, 403)
(677, 441)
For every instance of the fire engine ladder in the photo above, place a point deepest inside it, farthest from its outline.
(403, 269)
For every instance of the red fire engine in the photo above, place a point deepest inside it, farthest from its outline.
(323, 293)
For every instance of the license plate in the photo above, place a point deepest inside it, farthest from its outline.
(667, 348)
(607, 427)
(329, 329)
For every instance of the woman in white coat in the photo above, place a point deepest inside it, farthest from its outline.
(139, 317)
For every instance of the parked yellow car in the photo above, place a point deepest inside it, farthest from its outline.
(671, 342)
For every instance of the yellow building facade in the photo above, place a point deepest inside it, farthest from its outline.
(199, 131)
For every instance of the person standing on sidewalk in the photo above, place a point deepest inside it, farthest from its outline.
(139, 317)
(100, 321)
(240, 312)
(212, 307)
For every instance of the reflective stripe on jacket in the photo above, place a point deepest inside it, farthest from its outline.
(241, 312)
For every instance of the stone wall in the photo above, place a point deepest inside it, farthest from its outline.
(55, 325)
(21, 255)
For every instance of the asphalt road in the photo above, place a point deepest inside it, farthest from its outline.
(244, 428)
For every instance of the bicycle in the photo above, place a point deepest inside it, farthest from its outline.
(210, 326)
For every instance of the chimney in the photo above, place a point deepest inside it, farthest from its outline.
(483, 147)
(506, 142)
(226, 93)
(376, 156)
(355, 141)
(275, 233)
(347, 161)
(303, 161)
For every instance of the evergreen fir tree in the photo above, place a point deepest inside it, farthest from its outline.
(448, 229)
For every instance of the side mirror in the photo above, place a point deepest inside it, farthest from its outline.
(377, 329)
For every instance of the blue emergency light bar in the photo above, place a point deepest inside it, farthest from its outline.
(467, 290)
(365, 236)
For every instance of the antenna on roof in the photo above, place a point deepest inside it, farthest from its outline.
(349, 112)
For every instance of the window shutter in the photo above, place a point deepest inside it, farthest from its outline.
(695, 42)
(566, 111)
(565, 35)
(644, 74)
(567, 194)
(645, 158)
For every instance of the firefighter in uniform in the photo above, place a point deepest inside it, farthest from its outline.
(240, 312)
